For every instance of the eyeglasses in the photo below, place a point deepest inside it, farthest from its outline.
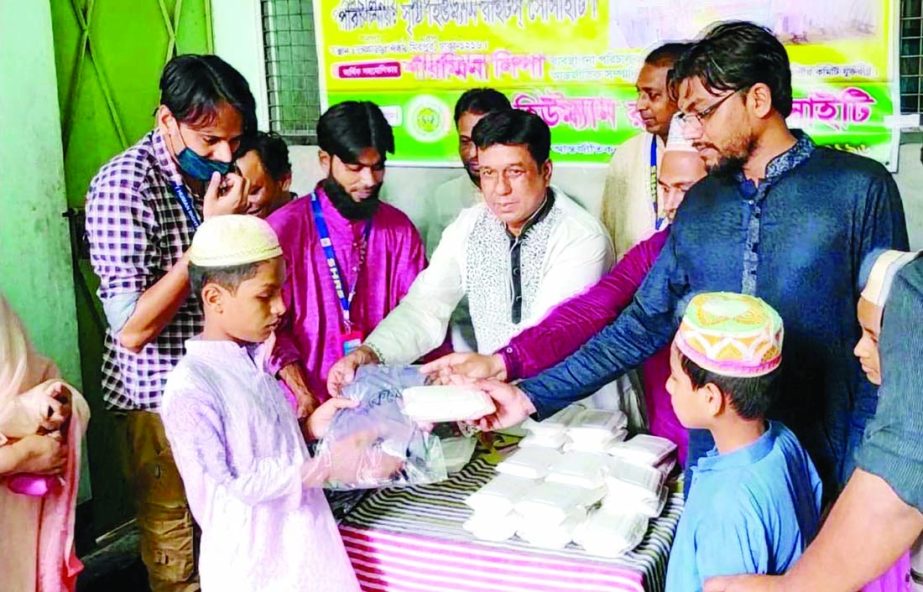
(702, 116)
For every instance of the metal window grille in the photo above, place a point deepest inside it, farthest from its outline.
(291, 68)
(911, 56)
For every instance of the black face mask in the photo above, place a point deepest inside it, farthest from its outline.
(344, 203)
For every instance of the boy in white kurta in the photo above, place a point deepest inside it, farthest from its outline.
(251, 483)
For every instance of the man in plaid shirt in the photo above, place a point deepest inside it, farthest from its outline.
(142, 210)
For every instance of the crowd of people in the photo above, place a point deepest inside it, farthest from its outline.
(745, 293)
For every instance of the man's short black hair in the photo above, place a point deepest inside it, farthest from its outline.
(750, 397)
(481, 101)
(193, 86)
(667, 54)
(273, 153)
(348, 128)
(229, 277)
(514, 127)
(737, 55)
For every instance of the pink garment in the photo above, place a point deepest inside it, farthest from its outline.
(575, 321)
(313, 326)
(896, 579)
(41, 555)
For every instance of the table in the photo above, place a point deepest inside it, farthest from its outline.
(411, 540)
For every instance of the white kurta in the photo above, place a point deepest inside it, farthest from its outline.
(240, 452)
(628, 202)
(562, 255)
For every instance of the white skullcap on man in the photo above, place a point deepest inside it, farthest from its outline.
(235, 239)
(676, 140)
(879, 268)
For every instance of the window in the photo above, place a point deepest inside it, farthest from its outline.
(291, 69)
(911, 56)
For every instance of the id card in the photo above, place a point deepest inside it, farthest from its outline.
(351, 341)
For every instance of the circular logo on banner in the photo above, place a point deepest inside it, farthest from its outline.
(428, 119)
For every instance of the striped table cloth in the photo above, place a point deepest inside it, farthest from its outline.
(411, 540)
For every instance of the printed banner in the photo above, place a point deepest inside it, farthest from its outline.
(574, 63)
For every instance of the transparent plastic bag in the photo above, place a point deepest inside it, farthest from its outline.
(395, 451)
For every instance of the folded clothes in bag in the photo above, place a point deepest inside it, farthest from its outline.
(499, 495)
(611, 534)
(531, 463)
(644, 449)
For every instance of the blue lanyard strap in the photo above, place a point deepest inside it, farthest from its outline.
(186, 202)
(658, 220)
(336, 274)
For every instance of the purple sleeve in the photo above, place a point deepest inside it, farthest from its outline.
(285, 351)
(570, 324)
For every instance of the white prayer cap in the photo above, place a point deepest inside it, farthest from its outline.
(676, 141)
(879, 268)
(225, 241)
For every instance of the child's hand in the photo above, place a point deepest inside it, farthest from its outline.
(42, 455)
(359, 459)
(318, 422)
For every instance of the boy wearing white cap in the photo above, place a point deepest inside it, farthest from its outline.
(251, 483)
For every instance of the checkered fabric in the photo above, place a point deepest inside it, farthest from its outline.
(137, 231)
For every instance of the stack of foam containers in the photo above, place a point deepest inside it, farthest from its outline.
(575, 479)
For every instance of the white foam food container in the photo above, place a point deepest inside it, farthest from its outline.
(644, 449)
(551, 503)
(555, 424)
(596, 424)
(530, 463)
(583, 469)
(493, 528)
(610, 534)
(555, 536)
(555, 441)
(499, 495)
(441, 403)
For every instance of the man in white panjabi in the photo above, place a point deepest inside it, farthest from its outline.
(526, 248)
(443, 205)
(631, 208)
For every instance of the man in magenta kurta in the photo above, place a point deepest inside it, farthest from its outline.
(336, 295)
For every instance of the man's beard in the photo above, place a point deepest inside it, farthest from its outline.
(346, 205)
(734, 162)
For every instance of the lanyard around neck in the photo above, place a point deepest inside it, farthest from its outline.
(333, 266)
(658, 219)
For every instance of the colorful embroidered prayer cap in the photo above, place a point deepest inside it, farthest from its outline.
(676, 140)
(235, 239)
(878, 270)
(731, 334)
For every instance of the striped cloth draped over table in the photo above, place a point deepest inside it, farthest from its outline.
(411, 540)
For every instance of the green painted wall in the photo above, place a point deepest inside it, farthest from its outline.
(35, 254)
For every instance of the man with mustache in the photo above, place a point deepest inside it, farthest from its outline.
(350, 257)
(631, 207)
(778, 218)
(525, 248)
(450, 198)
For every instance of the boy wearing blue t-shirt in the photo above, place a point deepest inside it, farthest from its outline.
(754, 500)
